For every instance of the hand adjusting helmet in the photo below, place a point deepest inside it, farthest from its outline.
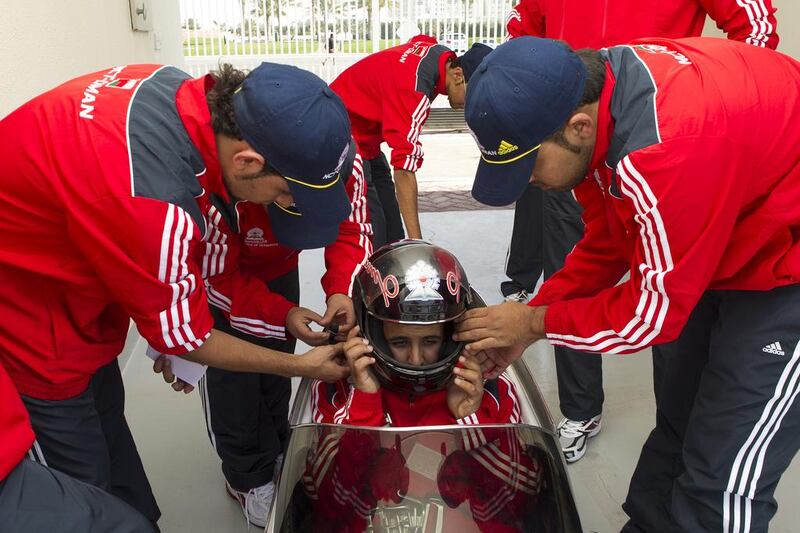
(412, 282)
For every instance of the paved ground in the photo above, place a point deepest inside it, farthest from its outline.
(440, 201)
(445, 178)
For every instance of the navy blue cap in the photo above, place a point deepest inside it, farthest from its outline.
(301, 127)
(521, 93)
(472, 58)
(296, 231)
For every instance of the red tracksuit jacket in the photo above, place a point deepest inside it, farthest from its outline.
(16, 433)
(341, 403)
(388, 95)
(601, 23)
(694, 186)
(114, 208)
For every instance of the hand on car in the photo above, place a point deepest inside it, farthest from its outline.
(465, 392)
(358, 353)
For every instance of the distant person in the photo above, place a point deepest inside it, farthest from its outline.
(331, 44)
(388, 95)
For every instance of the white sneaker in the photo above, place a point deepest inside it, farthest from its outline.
(255, 502)
(522, 297)
(573, 434)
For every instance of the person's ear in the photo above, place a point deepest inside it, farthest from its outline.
(580, 128)
(248, 161)
(458, 75)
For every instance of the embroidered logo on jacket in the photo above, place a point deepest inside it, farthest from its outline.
(123, 83)
(255, 237)
(417, 49)
(660, 49)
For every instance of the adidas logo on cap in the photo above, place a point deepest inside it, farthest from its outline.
(774, 348)
(506, 148)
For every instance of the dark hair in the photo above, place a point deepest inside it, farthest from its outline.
(454, 62)
(595, 75)
(220, 100)
(593, 86)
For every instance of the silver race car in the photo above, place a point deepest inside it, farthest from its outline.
(498, 478)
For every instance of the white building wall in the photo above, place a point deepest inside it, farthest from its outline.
(44, 42)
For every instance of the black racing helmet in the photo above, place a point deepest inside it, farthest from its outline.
(412, 282)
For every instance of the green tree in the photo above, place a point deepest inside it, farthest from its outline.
(262, 10)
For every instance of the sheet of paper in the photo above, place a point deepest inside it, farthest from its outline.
(186, 370)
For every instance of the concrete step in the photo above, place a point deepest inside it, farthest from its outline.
(445, 120)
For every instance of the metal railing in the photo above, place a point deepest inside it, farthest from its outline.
(327, 36)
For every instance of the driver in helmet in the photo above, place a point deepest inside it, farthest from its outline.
(405, 369)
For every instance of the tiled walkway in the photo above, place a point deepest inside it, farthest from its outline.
(440, 201)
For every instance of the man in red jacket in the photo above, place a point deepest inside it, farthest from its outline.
(246, 412)
(119, 189)
(684, 156)
(388, 95)
(547, 224)
(35, 498)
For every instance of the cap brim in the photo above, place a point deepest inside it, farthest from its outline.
(502, 184)
(300, 232)
(327, 206)
(326, 203)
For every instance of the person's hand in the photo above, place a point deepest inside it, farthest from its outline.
(324, 363)
(340, 311)
(465, 392)
(494, 361)
(358, 353)
(297, 322)
(163, 366)
(500, 326)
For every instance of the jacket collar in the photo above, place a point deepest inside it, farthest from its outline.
(196, 117)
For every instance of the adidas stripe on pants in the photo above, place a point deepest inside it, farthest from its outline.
(727, 417)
